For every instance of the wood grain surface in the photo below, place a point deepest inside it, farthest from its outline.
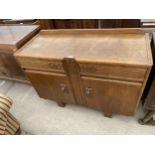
(115, 46)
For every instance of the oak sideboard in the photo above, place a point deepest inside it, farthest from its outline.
(105, 69)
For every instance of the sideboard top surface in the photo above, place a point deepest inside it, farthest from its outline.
(127, 46)
(12, 37)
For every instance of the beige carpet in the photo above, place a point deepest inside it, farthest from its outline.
(39, 116)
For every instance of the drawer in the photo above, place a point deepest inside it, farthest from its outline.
(41, 64)
(121, 72)
(113, 71)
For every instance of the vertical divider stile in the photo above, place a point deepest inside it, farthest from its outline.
(71, 68)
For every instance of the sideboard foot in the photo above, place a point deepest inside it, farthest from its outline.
(148, 119)
(61, 104)
(108, 114)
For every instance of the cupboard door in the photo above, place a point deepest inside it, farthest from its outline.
(51, 86)
(111, 96)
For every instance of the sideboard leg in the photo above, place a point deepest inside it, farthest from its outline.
(61, 104)
(108, 114)
(147, 119)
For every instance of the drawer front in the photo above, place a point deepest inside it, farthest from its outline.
(51, 86)
(41, 64)
(113, 71)
(86, 69)
(112, 96)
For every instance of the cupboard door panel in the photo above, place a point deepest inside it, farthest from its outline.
(51, 86)
(111, 95)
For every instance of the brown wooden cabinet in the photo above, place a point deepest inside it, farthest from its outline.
(11, 39)
(102, 69)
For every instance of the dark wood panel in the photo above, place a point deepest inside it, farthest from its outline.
(89, 23)
(75, 23)
(68, 23)
(120, 23)
(78, 23)
(46, 23)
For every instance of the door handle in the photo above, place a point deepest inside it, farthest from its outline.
(64, 88)
(88, 91)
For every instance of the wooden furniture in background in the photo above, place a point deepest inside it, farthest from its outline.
(149, 93)
(11, 39)
(68, 23)
(105, 69)
(88, 23)
(46, 23)
(76, 23)
(120, 23)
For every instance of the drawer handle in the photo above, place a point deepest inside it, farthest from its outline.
(64, 88)
(88, 91)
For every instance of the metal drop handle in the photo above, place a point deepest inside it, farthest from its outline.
(64, 88)
(88, 91)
